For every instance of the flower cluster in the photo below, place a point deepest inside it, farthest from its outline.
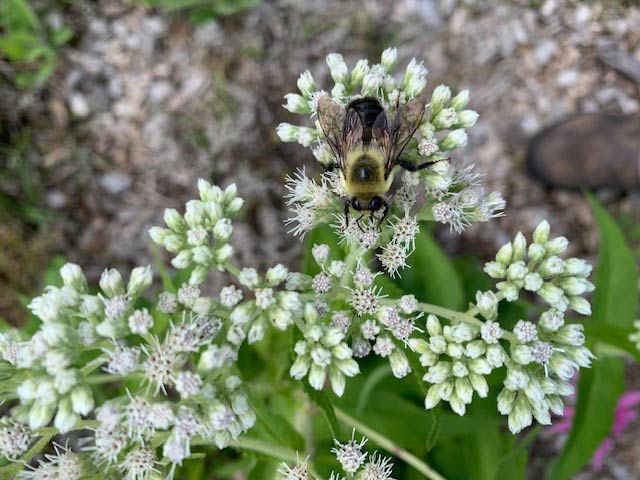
(635, 336)
(539, 269)
(175, 363)
(200, 237)
(452, 195)
(323, 353)
(353, 460)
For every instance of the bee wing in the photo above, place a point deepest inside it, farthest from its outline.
(352, 131)
(331, 116)
(406, 121)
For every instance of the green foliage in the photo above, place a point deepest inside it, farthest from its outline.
(614, 310)
(28, 44)
(615, 299)
(431, 276)
(598, 392)
(200, 11)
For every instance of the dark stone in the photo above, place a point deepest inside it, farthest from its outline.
(588, 151)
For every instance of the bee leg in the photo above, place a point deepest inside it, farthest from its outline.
(346, 214)
(360, 224)
(331, 167)
(413, 168)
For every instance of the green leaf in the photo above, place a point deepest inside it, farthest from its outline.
(599, 389)
(264, 470)
(279, 428)
(432, 277)
(322, 401)
(616, 296)
(18, 15)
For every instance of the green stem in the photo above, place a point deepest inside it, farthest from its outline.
(388, 445)
(260, 446)
(453, 315)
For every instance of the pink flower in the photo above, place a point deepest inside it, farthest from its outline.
(626, 413)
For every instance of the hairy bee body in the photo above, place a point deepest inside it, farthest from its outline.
(364, 176)
(367, 145)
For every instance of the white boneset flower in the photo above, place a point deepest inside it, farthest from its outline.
(350, 454)
(140, 321)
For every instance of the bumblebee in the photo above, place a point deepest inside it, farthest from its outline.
(367, 143)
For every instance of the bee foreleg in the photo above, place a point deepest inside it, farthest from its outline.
(360, 224)
(346, 214)
(331, 167)
(413, 168)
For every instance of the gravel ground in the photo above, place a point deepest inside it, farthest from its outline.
(145, 103)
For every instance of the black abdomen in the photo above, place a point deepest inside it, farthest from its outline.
(368, 109)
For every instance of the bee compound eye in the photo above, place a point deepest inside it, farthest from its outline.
(356, 204)
(376, 203)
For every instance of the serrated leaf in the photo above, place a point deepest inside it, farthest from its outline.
(599, 389)
(432, 277)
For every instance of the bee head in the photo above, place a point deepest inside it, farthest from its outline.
(373, 205)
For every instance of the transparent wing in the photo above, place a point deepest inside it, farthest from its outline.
(406, 121)
(331, 116)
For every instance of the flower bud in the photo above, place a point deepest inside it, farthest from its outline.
(517, 271)
(577, 267)
(557, 245)
(234, 207)
(317, 376)
(337, 379)
(140, 280)
(82, 400)
(111, 283)
(202, 255)
(453, 140)
(389, 59)
(541, 233)
(509, 290)
(533, 281)
(520, 417)
(460, 100)
(463, 389)
(337, 68)
(195, 213)
(519, 247)
(276, 275)
(222, 230)
(358, 73)
(297, 104)
(551, 294)
(399, 363)
(174, 220)
(580, 305)
(65, 418)
(224, 253)
(433, 325)
(320, 253)
(505, 254)
(506, 399)
(551, 267)
(173, 243)
(439, 99)
(306, 84)
(287, 132)
(445, 119)
(198, 275)
(495, 269)
(536, 252)
(521, 354)
(40, 414)
(479, 384)
(433, 397)
(183, 259)
(73, 277)
(467, 118)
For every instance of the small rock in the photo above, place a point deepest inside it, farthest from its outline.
(544, 52)
(78, 105)
(567, 77)
(115, 182)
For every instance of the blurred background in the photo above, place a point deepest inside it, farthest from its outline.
(111, 110)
